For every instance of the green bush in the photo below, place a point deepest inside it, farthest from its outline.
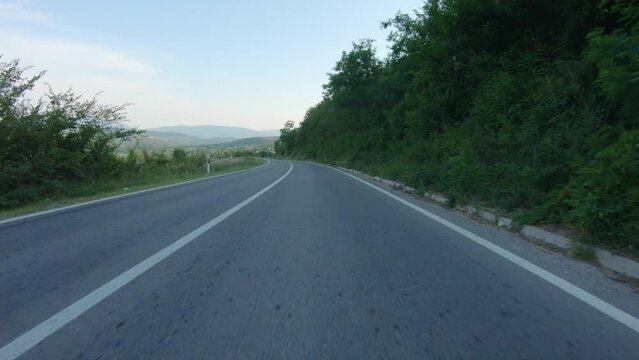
(604, 196)
(57, 140)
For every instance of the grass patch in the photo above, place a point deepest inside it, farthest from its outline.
(582, 251)
(87, 192)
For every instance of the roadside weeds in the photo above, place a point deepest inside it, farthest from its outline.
(124, 188)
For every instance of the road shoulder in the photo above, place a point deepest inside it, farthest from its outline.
(584, 275)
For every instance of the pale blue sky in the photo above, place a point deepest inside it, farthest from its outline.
(246, 63)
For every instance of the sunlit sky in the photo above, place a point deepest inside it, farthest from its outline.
(254, 64)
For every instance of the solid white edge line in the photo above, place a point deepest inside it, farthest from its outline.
(31, 338)
(586, 297)
(97, 201)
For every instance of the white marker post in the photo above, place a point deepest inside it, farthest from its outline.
(208, 165)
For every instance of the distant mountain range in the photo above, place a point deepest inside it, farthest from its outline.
(215, 131)
(172, 139)
(203, 135)
(268, 141)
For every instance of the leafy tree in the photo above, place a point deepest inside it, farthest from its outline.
(56, 140)
(287, 136)
(287, 131)
(525, 105)
(615, 53)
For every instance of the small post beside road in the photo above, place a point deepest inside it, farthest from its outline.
(208, 165)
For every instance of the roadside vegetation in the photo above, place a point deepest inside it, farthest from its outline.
(531, 107)
(62, 149)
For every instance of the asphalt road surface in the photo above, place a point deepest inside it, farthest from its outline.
(295, 260)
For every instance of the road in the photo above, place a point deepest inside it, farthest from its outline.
(317, 265)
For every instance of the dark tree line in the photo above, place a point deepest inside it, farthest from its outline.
(523, 105)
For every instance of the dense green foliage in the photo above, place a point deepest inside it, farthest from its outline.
(63, 146)
(45, 145)
(523, 105)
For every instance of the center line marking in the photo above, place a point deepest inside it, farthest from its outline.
(31, 338)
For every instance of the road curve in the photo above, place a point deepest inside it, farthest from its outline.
(317, 266)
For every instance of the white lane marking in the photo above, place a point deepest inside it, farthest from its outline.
(597, 303)
(34, 336)
(39, 213)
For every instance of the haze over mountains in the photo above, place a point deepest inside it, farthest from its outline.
(202, 135)
(215, 131)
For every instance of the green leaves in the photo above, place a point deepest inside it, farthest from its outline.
(355, 74)
(616, 56)
(526, 106)
(604, 196)
(59, 139)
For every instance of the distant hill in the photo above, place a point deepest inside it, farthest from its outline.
(267, 141)
(161, 140)
(204, 135)
(180, 139)
(215, 131)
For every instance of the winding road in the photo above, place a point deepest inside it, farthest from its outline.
(295, 260)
